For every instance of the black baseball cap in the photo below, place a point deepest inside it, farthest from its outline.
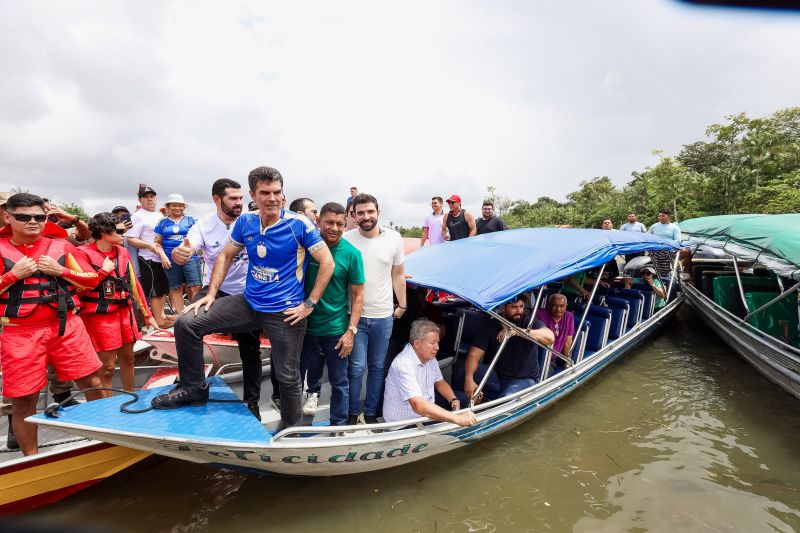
(144, 189)
(120, 208)
(252, 206)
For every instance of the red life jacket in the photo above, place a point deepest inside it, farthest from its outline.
(113, 292)
(24, 296)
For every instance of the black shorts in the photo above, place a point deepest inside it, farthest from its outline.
(154, 280)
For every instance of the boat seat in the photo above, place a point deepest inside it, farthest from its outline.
(636, 300)
(597, 336)
(649, 304)
(697, 272)
(619, 316)
(727, 296)
(447, 345)
(579, 342)
(706, 285)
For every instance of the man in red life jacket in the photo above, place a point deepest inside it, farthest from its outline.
(40, 273)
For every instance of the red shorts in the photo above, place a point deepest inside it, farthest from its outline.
(109, 331)
(27, 349)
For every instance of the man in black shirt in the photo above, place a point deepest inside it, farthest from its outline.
(489, 223)
(518, 366)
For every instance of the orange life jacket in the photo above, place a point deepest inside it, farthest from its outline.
(113, 292)
(23, 297)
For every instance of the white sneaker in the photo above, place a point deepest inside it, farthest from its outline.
(310, 407)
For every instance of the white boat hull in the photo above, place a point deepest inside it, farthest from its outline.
(360, 451)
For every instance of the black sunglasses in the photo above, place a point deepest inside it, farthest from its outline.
(119, 231)
(23, 217)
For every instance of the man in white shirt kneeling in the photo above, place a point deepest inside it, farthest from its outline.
(413, 378)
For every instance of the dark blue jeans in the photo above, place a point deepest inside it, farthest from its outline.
(318, 351)
(233, 314)
(369, 354)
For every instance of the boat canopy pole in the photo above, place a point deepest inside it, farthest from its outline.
(523, 333)
(672, 277)
(536, 306)
(739, 281)
(586, 311)
(772, 302)
(477, 392)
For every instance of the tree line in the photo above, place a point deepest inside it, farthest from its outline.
(745, 165)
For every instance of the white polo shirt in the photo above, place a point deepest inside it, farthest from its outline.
(380, 254)
(144, 222)
(408, 377)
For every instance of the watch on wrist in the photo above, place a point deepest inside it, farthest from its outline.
(310, 303)
(354, 329)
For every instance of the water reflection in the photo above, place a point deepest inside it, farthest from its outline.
(681, 435)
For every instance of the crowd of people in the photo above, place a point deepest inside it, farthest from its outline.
(327, 286)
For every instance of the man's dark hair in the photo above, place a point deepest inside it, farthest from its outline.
(267, 174)
(437, 198)
(218, 189)
(298, 205)
(24, 199)
(666, 212)
(103, 223)
(488, 202)
(521, 297)
(631, 213)
(331, 207)
(364, 198)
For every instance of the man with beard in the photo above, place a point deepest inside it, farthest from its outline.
(331, 329)
(209, 236)
(518, 366)
(382, 251)
(278, 244)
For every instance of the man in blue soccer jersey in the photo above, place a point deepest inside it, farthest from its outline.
(277, 244)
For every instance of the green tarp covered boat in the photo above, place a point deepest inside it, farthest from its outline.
(745, 281)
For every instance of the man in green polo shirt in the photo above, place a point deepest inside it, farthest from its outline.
(330, 329)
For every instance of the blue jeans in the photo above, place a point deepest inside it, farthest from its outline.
(318, 351)
(368, 355)
(189, 274)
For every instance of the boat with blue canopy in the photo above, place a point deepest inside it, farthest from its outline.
(745, 284)
(479, 274)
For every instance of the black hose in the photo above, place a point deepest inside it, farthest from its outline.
(51, 411)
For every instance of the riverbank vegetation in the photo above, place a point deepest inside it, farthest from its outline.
(744, 165)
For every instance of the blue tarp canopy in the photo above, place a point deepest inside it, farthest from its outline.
(488, 270)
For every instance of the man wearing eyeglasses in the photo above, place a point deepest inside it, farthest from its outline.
(41, 273)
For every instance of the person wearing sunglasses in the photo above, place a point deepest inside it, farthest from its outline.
(107, 310)
(40, 273)
(648, 275)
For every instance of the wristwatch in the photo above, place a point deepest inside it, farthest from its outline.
(310, 303)
(354, 329)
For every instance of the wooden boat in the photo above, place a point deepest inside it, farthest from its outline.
(747, 292)
(497, 266)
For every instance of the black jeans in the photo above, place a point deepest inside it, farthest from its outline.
(233, 314)
(250, 353)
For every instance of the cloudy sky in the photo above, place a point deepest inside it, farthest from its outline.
(404, 99)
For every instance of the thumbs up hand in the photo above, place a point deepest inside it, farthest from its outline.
(108, 265)
(182, 253)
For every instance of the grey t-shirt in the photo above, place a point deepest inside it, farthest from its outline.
(636, 226)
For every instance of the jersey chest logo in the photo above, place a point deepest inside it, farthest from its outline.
(261, 250)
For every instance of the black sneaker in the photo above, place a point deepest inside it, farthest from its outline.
(370, 419)
(352, 420)
(276, 403)
(255, 410)
(180, 396)
(61, 396)
(11, 439)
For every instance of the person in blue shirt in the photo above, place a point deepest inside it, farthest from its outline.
(666, 230)
(170, 233)
(278, 243)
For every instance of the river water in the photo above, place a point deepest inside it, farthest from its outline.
(680, 435)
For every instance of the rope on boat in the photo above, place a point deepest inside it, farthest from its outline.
(51, 411)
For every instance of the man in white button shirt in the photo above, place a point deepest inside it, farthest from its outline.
(413, 378)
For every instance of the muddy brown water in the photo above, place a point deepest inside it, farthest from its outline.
(680, 435)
